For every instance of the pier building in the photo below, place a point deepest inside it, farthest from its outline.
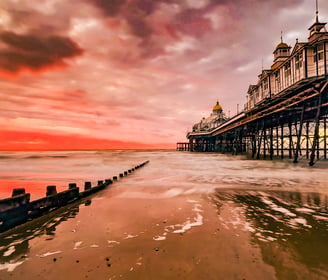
(201, 139)
(286, 111)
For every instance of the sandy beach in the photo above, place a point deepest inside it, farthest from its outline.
(146, 234)
(118, 236)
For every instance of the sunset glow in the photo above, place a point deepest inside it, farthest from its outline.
(132, 74)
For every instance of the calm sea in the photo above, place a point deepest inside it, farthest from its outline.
(187, 172)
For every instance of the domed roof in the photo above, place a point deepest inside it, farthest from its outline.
(217, 107)
(282, 45)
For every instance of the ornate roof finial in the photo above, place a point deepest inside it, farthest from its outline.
(281, 36)
(316, 11)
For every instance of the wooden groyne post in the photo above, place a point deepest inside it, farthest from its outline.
(18, 208)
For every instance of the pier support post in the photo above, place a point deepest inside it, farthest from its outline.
(325, 138)
(290, 142)
(282, 140)
(260, 141)
(299, 135)
(271, 142)
(317, 123)
(264, 142)
(277, 140)
(316, 133)
(254, 139)
(307, 140)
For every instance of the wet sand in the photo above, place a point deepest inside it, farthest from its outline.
(151, 233)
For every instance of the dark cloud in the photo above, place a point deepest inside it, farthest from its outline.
(193, 23)
(188, 20)
(109, 7)
(140, 16)
(139, 26)
(116, 7)
(35, 52)
(135, 12)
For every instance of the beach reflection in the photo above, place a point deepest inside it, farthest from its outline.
(14, 245)
(290, 228)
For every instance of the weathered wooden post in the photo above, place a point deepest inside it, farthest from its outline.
(18, 191)
(108, 181)
(87, 186)
(51, 190)
(72, 186)
(14, 210)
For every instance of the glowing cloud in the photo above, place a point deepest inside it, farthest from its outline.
(34, 52)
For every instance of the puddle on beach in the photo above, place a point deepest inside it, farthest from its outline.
(17, 246)
(290, 228)
(14, 244)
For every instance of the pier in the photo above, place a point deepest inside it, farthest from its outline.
(285, 115)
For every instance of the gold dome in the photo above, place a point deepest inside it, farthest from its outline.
(282, 45)
(217, 107)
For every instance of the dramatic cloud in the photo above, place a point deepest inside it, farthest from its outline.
(33, 52)
(139, 70)
(157, 23)
(111, 7)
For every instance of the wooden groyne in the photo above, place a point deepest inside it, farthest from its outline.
(18, 208)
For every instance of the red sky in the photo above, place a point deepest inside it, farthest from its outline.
(90, 74)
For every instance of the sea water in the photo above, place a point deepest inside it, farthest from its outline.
(183, 171)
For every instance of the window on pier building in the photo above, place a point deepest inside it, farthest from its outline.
(298, 61)
(288, 73)
(318, 53)
(265, 84)
(264, 88)
(318, 58)
(257, 95)
(251, 100)
(277, 81)
(298, 66)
